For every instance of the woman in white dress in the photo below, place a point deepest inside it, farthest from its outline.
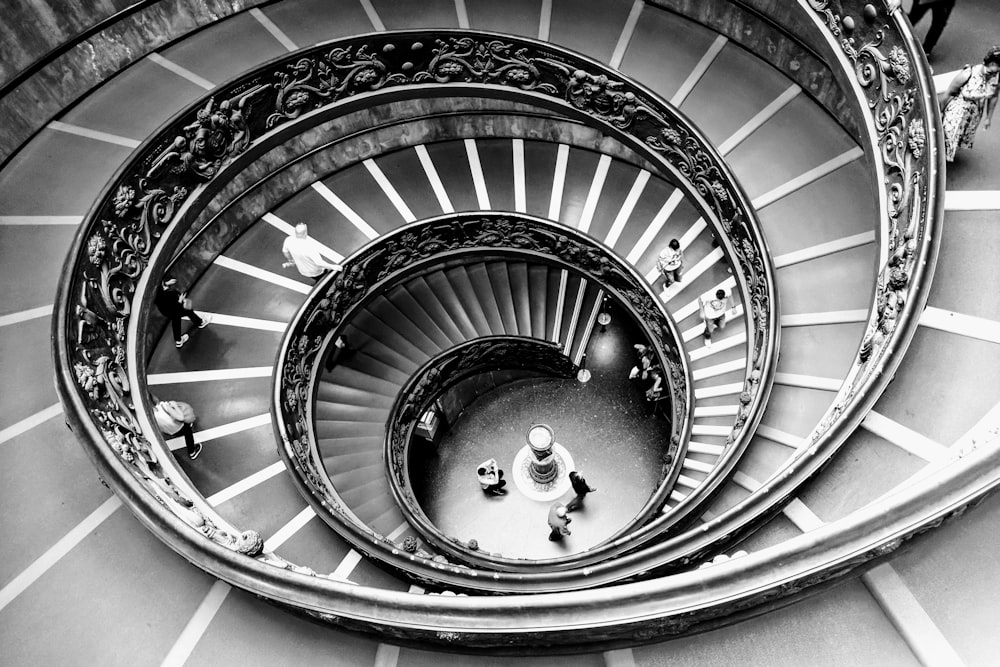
(974, 102)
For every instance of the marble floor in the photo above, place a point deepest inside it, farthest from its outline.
(605, 425)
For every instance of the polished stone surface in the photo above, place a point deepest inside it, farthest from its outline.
(605, 424)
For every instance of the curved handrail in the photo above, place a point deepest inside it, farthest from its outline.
(413, 248)
(435, 377)
(172, 173)
(840, 543)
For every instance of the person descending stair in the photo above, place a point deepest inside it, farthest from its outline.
(176, 418)
(174, 305)
(713, 311)
(670, 262)
(305, 254)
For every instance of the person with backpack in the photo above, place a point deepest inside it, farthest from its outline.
(176, 418)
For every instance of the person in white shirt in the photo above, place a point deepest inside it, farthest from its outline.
(713, 311)
(306, 254)
(670, 262)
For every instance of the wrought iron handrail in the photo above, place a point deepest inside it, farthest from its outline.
(433, 379)
(417, 247)
(896, 121)
(172, 174)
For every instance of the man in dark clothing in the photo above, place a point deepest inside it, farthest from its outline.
(940, 11)
(170, 302)
(581, 488)
(558, 522)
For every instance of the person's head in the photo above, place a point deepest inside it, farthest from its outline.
(675, 244)
(561, 511)
(481, 471)
(991, 60)
(720, 294)
(301, 230)
(574, 475)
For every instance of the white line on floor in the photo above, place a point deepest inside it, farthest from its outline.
(478, 178)
(262, 274)
(197, 625)
(824, 249)
(25, 316)
(286, 532)
(759, 119)
(345, 210)
(594, 194)
(657, 223)
(520, 186)
(435, 180)
(41, 220)
(718, 369)
(275, 31)
(52, 556)
(221, 431)
(93, 134)
(462, 13)
(245, 484)
(626, 35)
(29, 423)
(558, 182)
(389, 190)
(963, 325)
(699, 71)
(808, 177)
(972, 200)
(180, 71)
(246, 322)
(829, 317)
(780, 437)
(808, 381)
(373, 15)
(625, 212)
(903, 437)
(545, 20)
(208, 376)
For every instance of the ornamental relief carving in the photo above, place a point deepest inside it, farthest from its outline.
(173, 168)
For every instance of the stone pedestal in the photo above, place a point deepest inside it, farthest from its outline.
(543, 468)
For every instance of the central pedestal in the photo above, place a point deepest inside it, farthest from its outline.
(541, 468)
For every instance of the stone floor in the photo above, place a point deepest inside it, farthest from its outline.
(605, 425)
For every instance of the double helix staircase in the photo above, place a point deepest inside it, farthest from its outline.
(810, 184)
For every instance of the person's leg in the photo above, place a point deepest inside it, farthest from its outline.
(917, 12)
(188, 434)
(720, 322)
(574, 504)
(677, 274)
(555, 535)
(193, 316)
(668, 278)
(175, 325)
(939, 18)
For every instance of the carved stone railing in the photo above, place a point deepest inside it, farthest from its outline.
(895, 99)
(420, 246)
(436, 377)
(128, 237)
(891, 80)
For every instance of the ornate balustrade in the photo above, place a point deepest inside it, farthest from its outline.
(436, 377)
(132, 231)
(136, 224)
(397, 256)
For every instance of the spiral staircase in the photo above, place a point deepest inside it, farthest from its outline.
(821, 495)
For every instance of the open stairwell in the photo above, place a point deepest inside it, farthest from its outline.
(70, 592)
